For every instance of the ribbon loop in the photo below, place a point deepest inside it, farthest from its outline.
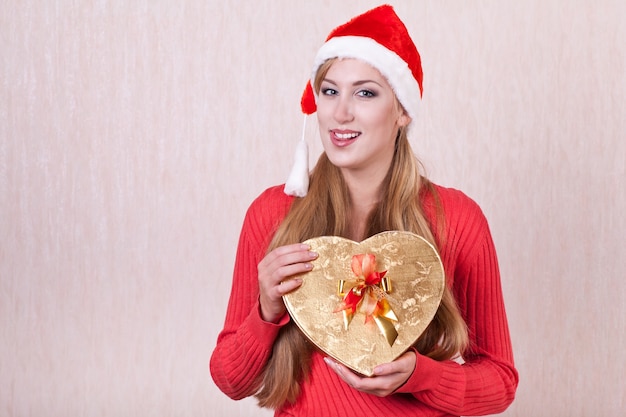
(367, 294)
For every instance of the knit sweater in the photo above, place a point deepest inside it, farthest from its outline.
(484, 384)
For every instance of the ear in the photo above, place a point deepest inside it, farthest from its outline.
(404, 119)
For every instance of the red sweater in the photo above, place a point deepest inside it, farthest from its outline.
(484, 384)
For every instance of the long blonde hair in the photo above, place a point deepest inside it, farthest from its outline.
(323, 212)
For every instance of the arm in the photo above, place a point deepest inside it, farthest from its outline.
(245, 343)
(486, 382)
(256, 311)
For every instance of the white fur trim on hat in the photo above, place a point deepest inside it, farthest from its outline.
(390, 65)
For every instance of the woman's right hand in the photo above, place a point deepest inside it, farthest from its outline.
(274, 271)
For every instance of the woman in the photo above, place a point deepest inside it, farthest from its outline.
(366, 88)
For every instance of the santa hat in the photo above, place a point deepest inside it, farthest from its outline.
(379, 38)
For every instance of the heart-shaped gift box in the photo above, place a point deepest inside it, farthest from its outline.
(367, 303)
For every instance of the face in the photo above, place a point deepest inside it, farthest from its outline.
(359, 118)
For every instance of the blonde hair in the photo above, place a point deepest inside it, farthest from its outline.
(323, 212)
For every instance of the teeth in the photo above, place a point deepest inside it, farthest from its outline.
(346, 135)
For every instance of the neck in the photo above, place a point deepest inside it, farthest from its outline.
(364, 196)
(364, 189)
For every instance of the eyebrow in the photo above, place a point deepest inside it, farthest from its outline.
(356, 83)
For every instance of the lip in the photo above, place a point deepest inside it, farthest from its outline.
(342, 137)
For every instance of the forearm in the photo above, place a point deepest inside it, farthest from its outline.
(483, 386)
(240, 355)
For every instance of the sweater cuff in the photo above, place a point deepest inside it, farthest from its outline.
(425, 376)
(262, 330)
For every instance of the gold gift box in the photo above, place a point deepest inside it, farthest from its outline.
(413, 285)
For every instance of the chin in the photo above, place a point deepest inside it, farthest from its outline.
(339, 162)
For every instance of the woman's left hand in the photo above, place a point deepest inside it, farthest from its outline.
(387, 377)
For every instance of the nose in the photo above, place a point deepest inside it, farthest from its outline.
(343, 110)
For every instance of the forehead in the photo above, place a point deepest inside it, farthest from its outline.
(354, 70)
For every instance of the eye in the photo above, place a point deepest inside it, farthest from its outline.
(366, 93)
(329, 91)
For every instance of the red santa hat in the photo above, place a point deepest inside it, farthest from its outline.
(379, 38)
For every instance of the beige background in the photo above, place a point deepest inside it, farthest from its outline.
(133, 136)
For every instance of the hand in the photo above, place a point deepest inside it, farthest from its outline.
(274, 271)
(387, 377)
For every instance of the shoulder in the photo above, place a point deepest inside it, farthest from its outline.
(272, 199)
(456, 203)
(268, 209)
(465, 227)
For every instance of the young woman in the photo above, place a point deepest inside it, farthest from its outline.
(366, 88)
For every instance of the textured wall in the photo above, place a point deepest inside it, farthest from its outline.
(133, 135)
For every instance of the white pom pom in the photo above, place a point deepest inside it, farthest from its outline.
(298, 182)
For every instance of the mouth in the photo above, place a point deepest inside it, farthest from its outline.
(343, 137)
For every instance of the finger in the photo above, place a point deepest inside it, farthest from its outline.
(405, 363)
(344, 373)
(277, 268)
(295, 258)
(284, 279)
(371, 385)
(285, 287)
(287, 252)
(386, 369)
(282, 259)
(284, 273)
(379, 385)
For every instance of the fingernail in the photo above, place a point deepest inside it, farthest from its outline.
(313, 255)
(304, 246)
(331, 363)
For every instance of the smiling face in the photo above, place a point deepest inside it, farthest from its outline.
(359, 118)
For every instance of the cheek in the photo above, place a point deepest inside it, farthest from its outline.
(381, 119)
(323, 113)
(383, 111)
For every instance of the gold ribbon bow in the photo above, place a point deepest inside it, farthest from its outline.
(367, 294)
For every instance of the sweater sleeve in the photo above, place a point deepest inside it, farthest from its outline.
(245, 343)
(487, 380)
